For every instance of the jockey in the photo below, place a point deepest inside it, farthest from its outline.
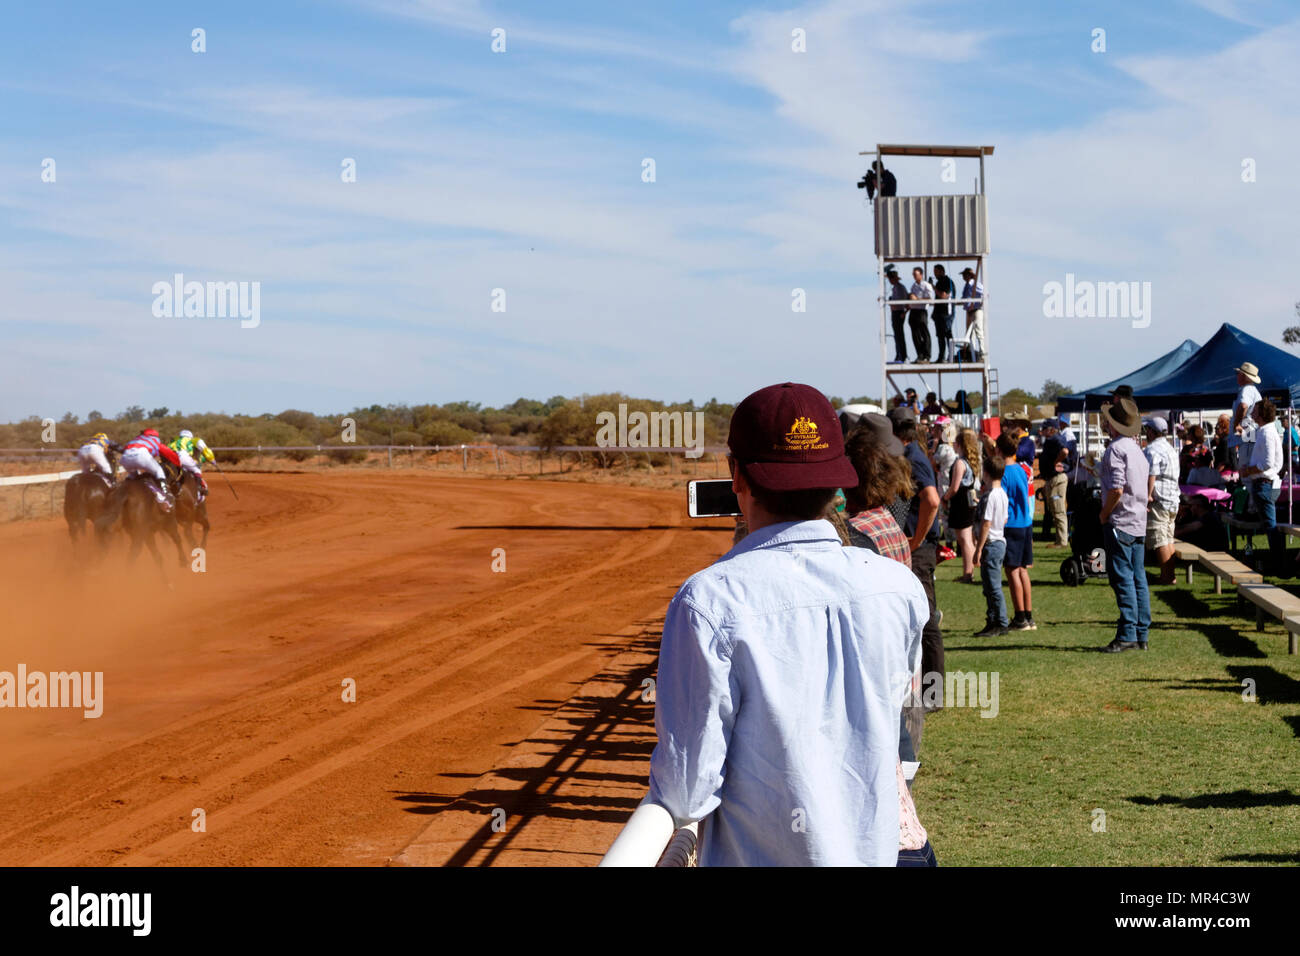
(94, 455)
(141, 459)
(187, 448)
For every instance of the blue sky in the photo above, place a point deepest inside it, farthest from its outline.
(522, 171)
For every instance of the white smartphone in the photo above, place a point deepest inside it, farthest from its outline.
(711, 499)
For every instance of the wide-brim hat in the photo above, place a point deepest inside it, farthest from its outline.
(788, 438)
(1250, 370)
(883, 429)
(1123, 416)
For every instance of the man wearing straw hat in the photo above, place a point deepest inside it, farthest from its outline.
(1242, 436)
(1124, 477)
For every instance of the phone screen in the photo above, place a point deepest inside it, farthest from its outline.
(711, 499)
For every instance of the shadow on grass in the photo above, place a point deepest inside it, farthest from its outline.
(1271, 685)
(1235, 800)
(1261, 858)
(950, 645)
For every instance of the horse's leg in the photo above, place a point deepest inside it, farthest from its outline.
(203, 522)
(169, 526)
(157, 556)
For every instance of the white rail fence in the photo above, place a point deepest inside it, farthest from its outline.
(499, 453)
(651, 838)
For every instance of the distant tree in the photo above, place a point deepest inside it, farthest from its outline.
(1052, 390)
(1291, 334)
(1014, 400)
(68, 419)
(94, 416)
(132, 413)
(159, 412)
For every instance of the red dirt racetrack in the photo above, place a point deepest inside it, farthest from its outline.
(477, 735)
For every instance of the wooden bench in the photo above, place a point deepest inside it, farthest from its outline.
(1280, 604)
(1189, 553)
(1224, 566)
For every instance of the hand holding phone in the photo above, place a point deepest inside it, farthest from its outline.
(711, 498)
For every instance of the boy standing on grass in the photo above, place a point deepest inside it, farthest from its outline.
(1019, 534)
(991, 548)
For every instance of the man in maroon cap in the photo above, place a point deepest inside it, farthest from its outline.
(784, 666)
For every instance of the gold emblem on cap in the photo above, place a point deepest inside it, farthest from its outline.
(803, 436)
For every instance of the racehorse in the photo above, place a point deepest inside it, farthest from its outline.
(142, 517)
(85, 496)
(189, 509)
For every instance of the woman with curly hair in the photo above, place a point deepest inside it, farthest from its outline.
(884, 479)
(962, 487)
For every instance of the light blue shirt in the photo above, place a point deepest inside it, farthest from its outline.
(973, 290)
(782, 674)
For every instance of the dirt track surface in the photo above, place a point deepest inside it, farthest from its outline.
(473, 688)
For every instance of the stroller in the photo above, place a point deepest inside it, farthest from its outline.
(1088, 559)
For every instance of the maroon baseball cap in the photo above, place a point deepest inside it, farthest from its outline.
(788, 438)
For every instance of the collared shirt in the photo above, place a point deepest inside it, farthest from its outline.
(973, 290)
(1162, 462)
(782, 675)
(1267, 455)
(1125, 467)
(922, 290)
(877, 530)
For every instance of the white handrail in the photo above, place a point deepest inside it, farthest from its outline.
(38, 479)
(651, 838)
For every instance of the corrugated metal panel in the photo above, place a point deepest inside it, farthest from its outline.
(919, 227)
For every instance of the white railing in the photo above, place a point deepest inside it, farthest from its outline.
(651, 838)
(39, 479)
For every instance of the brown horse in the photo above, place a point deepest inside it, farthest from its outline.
(85, 496)
(142, 518)
(189, 509)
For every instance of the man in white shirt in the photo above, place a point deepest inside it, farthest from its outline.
(1265, 472)
(1243, 424)
(1162, 496)
(918, 320)
(974, 289)
(784, 666)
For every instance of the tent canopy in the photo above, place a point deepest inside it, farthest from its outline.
(1151, 372)
(1208, 378)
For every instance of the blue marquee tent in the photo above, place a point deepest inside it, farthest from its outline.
(1207, 378)
(1151, 372)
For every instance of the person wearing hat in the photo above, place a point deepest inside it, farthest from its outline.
(784, 666)
(1124, 487)
(897, 316)
(1053, 471)
(974, 312)
(1242, 436)
(1162, 494)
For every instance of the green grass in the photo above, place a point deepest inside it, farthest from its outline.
(1187, 772)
